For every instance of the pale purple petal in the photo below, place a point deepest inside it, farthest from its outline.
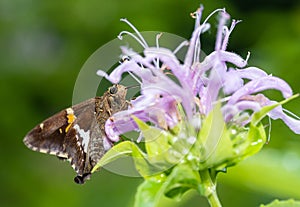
(116, 75)
(166, 56)
(293, 124)
(262, 84)
(248, 105)
(229, 111)
(251, 73)
(161, 111)
(164, 85)
(137, 58)
(118, 125)
(232, 81)
(220, 56)
(212, 89)
(106, 143)
(224, 16)
(189, 58)
(232, 58)
(227, 34)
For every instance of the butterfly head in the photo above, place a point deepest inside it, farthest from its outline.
(117, 98)
(118, 90)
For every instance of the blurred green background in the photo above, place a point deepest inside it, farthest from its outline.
(45, 43)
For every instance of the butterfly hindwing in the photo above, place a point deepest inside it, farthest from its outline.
(79, 137)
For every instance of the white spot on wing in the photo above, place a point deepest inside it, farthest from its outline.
(42, 126)
(84, 135)
(34, 148)
(61, 154)
(73, 166)
(52, 153)
(70, 111)
(46, 151)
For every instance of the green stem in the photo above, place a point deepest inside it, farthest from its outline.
(214, 200)
(209, 191)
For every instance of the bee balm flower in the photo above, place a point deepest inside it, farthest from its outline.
(199, 85)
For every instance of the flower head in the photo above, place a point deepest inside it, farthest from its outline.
(198, 85)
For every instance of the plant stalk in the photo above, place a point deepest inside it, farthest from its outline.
(209, 191)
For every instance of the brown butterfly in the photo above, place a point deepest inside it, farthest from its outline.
(77, 133)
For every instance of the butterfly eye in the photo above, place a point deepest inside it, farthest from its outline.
(113, 90)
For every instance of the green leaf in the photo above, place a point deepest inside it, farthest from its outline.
(158, 146)
(156, 140)
(256, 138)
(221, 147)
(181, 179)
(123, 149)
(212, 130)
(214, 142)
(149, 193)
(120, 150)
(287, 203)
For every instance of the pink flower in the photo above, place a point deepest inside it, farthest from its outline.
(198, 85)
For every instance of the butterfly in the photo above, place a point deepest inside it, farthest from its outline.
(77, 134)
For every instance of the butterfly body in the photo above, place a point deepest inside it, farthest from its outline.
(78, 133)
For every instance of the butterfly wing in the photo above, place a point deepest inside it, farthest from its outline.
(48, 137)
(77, 133)
(66, 135)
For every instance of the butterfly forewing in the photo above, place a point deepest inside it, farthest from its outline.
(66, 134)
(48, 137)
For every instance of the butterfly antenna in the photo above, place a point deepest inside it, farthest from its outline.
(133, 86)
(134, 77)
